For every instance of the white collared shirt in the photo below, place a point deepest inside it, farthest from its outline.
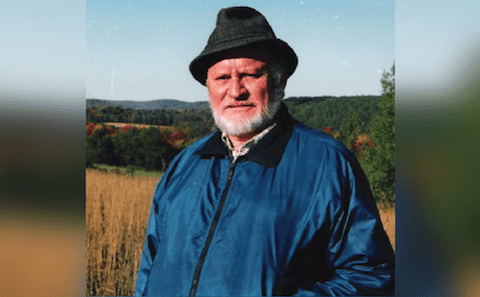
(245, 148)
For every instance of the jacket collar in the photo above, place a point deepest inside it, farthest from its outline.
(267, 152)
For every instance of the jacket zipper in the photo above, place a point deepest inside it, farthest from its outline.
(216, 218)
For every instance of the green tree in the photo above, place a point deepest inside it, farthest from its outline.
(128, 148)
(349, 131)
(379, 162)
(136, 117)
(99, 148)
(153, 148)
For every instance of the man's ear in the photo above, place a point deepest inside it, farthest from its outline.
(284, 80)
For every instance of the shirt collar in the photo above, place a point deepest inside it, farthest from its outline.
(267, 150)
(245, 148)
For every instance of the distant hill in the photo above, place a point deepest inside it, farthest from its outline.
(173, 104)
(148, 105)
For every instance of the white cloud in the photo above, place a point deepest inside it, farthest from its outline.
(346, 64)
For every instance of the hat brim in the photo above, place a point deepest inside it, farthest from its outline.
(277, 48)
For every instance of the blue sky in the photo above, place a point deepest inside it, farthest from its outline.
(141, 50)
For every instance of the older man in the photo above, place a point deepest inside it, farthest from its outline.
(265, 205)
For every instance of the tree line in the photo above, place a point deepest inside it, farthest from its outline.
(316, 112)
(320, 112)
(161, 117)
(150, 149)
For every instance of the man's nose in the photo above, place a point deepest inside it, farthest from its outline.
(236, 89)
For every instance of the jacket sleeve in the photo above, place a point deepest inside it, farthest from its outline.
(358, 254)
(152, 239)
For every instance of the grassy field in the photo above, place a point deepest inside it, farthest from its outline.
(129, 170)
(117, 210)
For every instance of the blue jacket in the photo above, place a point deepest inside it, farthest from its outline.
(293, 216)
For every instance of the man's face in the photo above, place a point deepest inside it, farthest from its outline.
(239, 94)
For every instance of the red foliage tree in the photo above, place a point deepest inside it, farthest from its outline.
(90, 129)
(328, 129)
(126, 128)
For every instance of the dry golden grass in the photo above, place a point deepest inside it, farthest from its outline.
(387, 215)
(117, 210)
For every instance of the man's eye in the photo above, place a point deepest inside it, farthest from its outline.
(253, 75)
(223, 77)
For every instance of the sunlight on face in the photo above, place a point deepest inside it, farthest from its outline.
(239, 95)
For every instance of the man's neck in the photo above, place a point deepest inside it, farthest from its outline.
(239, 140)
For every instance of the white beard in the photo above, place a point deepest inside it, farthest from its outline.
(244, 126)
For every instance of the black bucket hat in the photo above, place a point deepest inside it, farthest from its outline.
(239, 27)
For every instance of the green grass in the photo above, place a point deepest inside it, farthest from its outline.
(129, 170)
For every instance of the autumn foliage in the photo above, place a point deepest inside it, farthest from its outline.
(148, 147)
